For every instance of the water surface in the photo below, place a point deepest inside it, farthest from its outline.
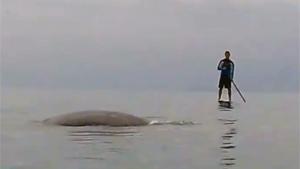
(261, 134)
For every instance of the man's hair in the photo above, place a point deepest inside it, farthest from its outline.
(227, 52)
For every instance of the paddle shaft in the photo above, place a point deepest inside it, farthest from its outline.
(238, 91)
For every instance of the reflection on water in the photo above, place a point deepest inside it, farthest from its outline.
(87, 158)
(102, 133)
(100, 138)
(89, 135)
(229, 133)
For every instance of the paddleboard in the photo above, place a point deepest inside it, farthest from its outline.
(225, 103)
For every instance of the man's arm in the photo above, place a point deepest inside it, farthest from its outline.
(231, 70)
(220, 65)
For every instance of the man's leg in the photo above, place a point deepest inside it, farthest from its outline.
(229, 94)
(220, 93)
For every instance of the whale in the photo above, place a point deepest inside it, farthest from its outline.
(96, 118)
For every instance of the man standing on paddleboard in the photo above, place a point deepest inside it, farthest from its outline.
(226, 66)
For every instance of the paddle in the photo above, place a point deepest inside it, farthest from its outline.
(238, 91)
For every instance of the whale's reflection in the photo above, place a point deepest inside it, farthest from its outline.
(93, 132)
(102, 140)
(102, 133)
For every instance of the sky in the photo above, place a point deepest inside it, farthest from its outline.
(149, 44)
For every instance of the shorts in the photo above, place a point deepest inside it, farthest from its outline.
(225, 81)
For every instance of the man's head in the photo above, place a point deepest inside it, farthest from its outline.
(227, 54)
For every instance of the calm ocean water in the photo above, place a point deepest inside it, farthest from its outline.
(261, 134)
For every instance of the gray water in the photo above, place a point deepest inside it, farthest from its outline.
(261, 134)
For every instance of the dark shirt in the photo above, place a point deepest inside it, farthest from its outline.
(227, 68)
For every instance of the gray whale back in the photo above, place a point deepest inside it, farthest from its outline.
(92, 118)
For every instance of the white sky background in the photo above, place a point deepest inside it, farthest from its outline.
(149, 44)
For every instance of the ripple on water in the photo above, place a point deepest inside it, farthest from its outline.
(228, 145)
(91, 135)
(107, 146)
(102, 133)
(87, 158)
